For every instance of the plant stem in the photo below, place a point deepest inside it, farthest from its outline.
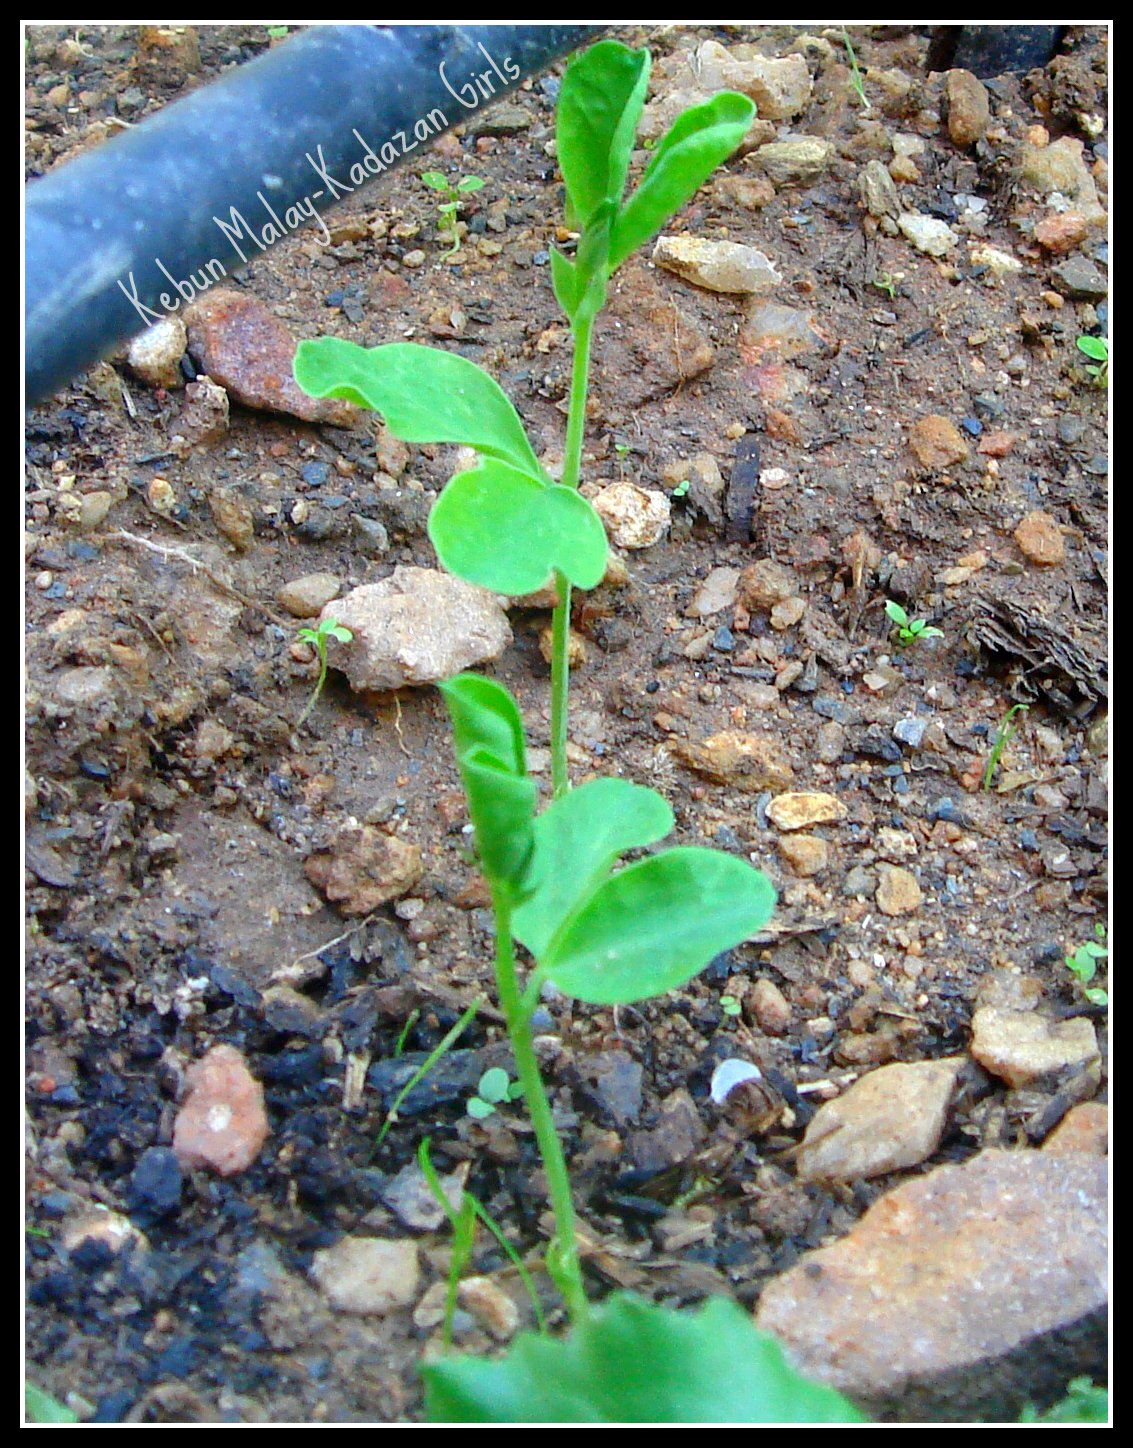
(560, 622)
(567, 1272)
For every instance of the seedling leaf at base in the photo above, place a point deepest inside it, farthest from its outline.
(488, 732)
(424, 394)
(508, 531)
(632, 1362)
(654, 925)
(578, 839)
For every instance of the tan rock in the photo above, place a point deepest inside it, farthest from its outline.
(801, 810)
(806, 854)
(364, 869)
(367, 1275)
(717, 266)
(925, 1308)
(306, 597)
(786, 613)
(1040, 539)
(780, 88)
(796, 161)
(154, 356)
(576, 646)
(894, 1117)
(222, 1123)
(749, 762)
(418, 626)
(936, 443)
(634, 517)
(769, 1006)
(1023, 1047)
(969, 110)
(490, 1305)
(764, 584)
(897, 892)
(1084, 1128)
(233, 516)
(716, 593)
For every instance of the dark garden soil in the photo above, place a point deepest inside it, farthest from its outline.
(171, 802)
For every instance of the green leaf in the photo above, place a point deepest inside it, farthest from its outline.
(470, 183)
(654, 925)
(1095, 347)
(507, 531)
(578, 839)
(479, 1109)
(600, 104)
(494, 1084)
(488, 732)
(424, 394)
(565, 281)
(632, 1362)
(698, 141)
(41, 1407)
(896, 613)
(435, 180)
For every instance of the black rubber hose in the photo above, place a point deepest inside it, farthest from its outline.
(263, 150)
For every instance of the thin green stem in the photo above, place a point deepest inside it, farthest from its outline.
(566, 1271)
(560, 622)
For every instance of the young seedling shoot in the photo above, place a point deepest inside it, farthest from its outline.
(506, 524)
(494, 1090)
(1097, 349)
(1082, 963)
(450, 206)
(601, 931)
(910, 631)
(319, 638)
(1003, 736)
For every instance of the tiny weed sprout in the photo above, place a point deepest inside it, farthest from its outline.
(910, 631)
(681, 490)
(1003, 736)
(319, 638)
(494, 1090)
(1082, 963)
(858, 80)
(450, 206)
(886, 283)
(602, 929)
(1097, 349)
(730, 1005)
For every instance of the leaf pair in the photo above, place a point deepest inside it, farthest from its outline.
(606, 938)
(600, 104)
(503, 524)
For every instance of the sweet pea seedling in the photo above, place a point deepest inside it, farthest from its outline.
(599, 928)
(909, 631)
(505, 523)
(319, 638)
(450, 206)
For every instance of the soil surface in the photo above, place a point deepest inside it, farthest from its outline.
(172, 802)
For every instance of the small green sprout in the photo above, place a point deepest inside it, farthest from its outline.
(328, 629)
(681, 490)
(1096, 348)
(885, 282)
(730, 1005)
(448, 208)
(855, 71)
(1083, 963)
(1003, 736)
(910, 631)
(278, 32)
(494, 1089)
(1084, 1402)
